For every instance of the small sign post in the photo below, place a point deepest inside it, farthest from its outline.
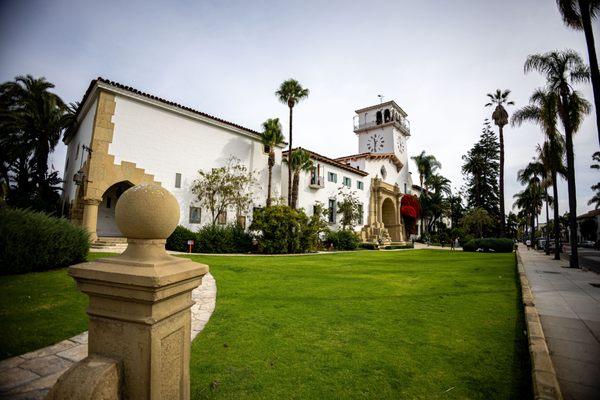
(190, 245)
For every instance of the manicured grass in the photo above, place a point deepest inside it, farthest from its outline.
(39, 309)
(412, 324)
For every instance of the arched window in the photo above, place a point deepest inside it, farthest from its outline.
(383, 172)
(386, 115)
(378, 118)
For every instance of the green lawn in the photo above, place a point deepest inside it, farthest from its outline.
(411, 324)
(39, 309)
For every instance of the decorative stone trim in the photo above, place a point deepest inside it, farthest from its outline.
(545, 382)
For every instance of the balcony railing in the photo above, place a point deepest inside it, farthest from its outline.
(399, 123)
(317, 182)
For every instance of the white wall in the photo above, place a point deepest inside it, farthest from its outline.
(74, 160)
(164, 143)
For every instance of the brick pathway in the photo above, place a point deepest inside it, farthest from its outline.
(569, 308)
(30, 376)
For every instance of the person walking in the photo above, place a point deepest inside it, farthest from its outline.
(528, 243)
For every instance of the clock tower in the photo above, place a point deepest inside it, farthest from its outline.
(382, 128)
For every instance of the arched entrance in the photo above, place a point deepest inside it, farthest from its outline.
(390, 219)
(107, 226)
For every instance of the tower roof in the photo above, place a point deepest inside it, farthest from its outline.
(386, 104)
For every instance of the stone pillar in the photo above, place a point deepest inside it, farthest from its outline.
(90, 217)
(140, 301)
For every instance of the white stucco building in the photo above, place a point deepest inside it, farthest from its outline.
(125, 137)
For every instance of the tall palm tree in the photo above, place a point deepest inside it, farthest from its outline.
(290, 92)
(529, 201)
(500, 117)
(596, 187)
(271, 137)
(578, 14)
(542, 110)
(426, 164)
(562, 69)
(300, 161)
(536, 173)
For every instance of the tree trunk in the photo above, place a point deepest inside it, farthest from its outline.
(502, 222)
(574, 258)
(547, 244)
(422, 218)
(556, 217)
(295, 185)
(290, 161)
(584, 7)
(532, 233)
(41, 162)
(271, 162)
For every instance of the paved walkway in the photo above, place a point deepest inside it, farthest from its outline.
(569, 308)
(31, 375)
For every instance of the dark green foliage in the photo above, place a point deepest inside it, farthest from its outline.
(282, 229)
(498, 245)
(33, 241)
(223, 239)
(343, 239)
(178, 239)
(368, 246)
(398, 246)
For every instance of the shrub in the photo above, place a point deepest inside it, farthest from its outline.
(178, 239)
(223, 239)
(281, 229)
(399, 246)
(498, 245)
(343, 239)
(368, 246)
(34, 241)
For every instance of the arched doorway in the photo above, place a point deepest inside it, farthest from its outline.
(389, 219)
(107, 226)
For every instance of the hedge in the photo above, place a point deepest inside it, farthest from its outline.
(343, 239)
(34, 241)
(179, 238)
(211, 239)
(498, 245)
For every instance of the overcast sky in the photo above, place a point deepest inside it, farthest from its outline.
(436, 59)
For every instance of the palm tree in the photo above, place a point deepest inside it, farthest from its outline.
(542, 110)
(426, 165)
(578, 14)
(500, 117)
(291, 92)
(300, 162)
(596, 188)
(529, 201)
(562, 69)
(271, 137)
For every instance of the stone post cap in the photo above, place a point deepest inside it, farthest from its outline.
(147, 211)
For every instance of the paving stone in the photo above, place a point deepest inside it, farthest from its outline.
(14, 377)
(33, 395)
(11, 363)
(46, 365)
(577, 371)
(37, 385)
(81, 338)
(76, 353)
(46, 351)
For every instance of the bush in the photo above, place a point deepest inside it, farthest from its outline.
(223, 239)
(399, 246)
(178, 239)
(281, 229)
(343, 239)
(34, 241)
(368, 246)
(498, 245)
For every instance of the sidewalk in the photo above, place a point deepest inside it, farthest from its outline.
(569, 308)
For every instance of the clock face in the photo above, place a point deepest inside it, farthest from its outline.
(400, 144)
(375, 142)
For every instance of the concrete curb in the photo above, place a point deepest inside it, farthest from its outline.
(545, 382)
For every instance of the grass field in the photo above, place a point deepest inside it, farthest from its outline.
(410, 324)
(39, 309)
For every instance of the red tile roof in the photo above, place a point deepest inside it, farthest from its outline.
(330, 161)
(395, 160)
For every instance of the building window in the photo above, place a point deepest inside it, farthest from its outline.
(332, 177)
(331, 211)
(360, 214)
(347, 181)
(178, 180)
(195, 215)
(266, 149)
(360, 185)
(383, 172)
(378, 118)
(222, 218)
(386, 115)
(241, 221)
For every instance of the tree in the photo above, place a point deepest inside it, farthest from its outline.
(426, 164)
(596, 188)
(562, 70)
(512, 225)
(32, 120)
(536, 173)
(500, 117)
(481, 164)
(271, 137)
(457, 209)
(290, 92)
(477, 222)
(543, 111)
(300, 162)
(578, 14)
(349, 208)
(434, 202)
(224, 187)
(529, 201)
